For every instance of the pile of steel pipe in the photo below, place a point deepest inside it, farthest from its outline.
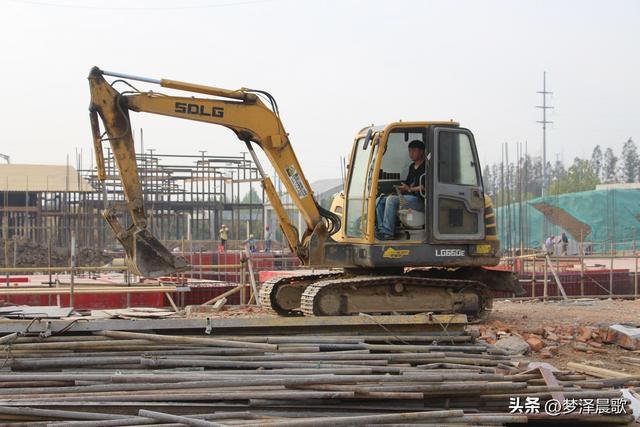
(117, 378)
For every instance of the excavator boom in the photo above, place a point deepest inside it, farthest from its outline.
(244, 113)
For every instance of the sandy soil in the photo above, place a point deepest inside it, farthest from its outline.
(580, 312)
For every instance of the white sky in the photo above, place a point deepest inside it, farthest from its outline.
(333, 66)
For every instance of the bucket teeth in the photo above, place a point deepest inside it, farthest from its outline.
(146, 255)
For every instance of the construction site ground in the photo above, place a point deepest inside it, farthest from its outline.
(531, 317)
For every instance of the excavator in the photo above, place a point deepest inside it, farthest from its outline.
(438, 259)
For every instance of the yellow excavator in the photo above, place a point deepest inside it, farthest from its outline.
(436, 259)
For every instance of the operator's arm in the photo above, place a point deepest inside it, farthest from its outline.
(404, 185)
(412, 183)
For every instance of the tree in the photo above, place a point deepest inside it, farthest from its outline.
(630, 161)
(610, 167)
(596, 160)
(252, 196)
(487, 179)
(531, 182)
(253, 216)
(534, 171)
(495, 184)
(556, 172)
(581, 176)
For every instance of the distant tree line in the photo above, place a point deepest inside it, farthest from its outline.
(520, 180)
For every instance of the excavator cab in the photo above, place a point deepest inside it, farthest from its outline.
(448, 222)
(451, 196)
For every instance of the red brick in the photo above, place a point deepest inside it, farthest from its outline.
(535, 343)
(552, 336)
(585, 333)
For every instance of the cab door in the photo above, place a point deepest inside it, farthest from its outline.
(458, 198)
(359, 189)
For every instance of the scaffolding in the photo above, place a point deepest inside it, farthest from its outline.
(187, 197)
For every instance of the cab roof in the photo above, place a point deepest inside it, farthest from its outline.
(388, 126)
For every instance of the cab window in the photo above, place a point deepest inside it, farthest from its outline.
(456, 163)
(395, 160)
(356, 194)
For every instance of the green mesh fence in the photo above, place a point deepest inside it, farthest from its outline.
(599, 217)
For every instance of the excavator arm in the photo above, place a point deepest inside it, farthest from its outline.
(244, 113)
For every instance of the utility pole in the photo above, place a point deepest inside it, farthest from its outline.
(544, 122)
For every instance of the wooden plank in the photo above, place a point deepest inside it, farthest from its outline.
(168, 295)
(555, 276)
(419, 322)
(551, 381)
(224, 295)
(595, 371)
(252, 278)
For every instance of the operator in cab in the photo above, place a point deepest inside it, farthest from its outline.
(387, 205)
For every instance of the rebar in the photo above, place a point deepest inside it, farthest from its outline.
(115, 378)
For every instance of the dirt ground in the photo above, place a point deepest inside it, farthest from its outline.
(577, 312)
(524, 317)
(21, 253)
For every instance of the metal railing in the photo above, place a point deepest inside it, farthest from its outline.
(604, 272)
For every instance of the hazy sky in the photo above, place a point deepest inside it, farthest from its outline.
(333, 66)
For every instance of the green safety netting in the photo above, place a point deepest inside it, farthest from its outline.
(598, 216)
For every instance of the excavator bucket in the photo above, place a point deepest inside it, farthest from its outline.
(150, 258)
(146, 256)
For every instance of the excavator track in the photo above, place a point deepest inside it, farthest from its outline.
(396, 294)
(281, 295)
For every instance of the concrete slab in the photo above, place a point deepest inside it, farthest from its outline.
(625, 336)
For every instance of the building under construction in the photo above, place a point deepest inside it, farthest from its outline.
(187, 197)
